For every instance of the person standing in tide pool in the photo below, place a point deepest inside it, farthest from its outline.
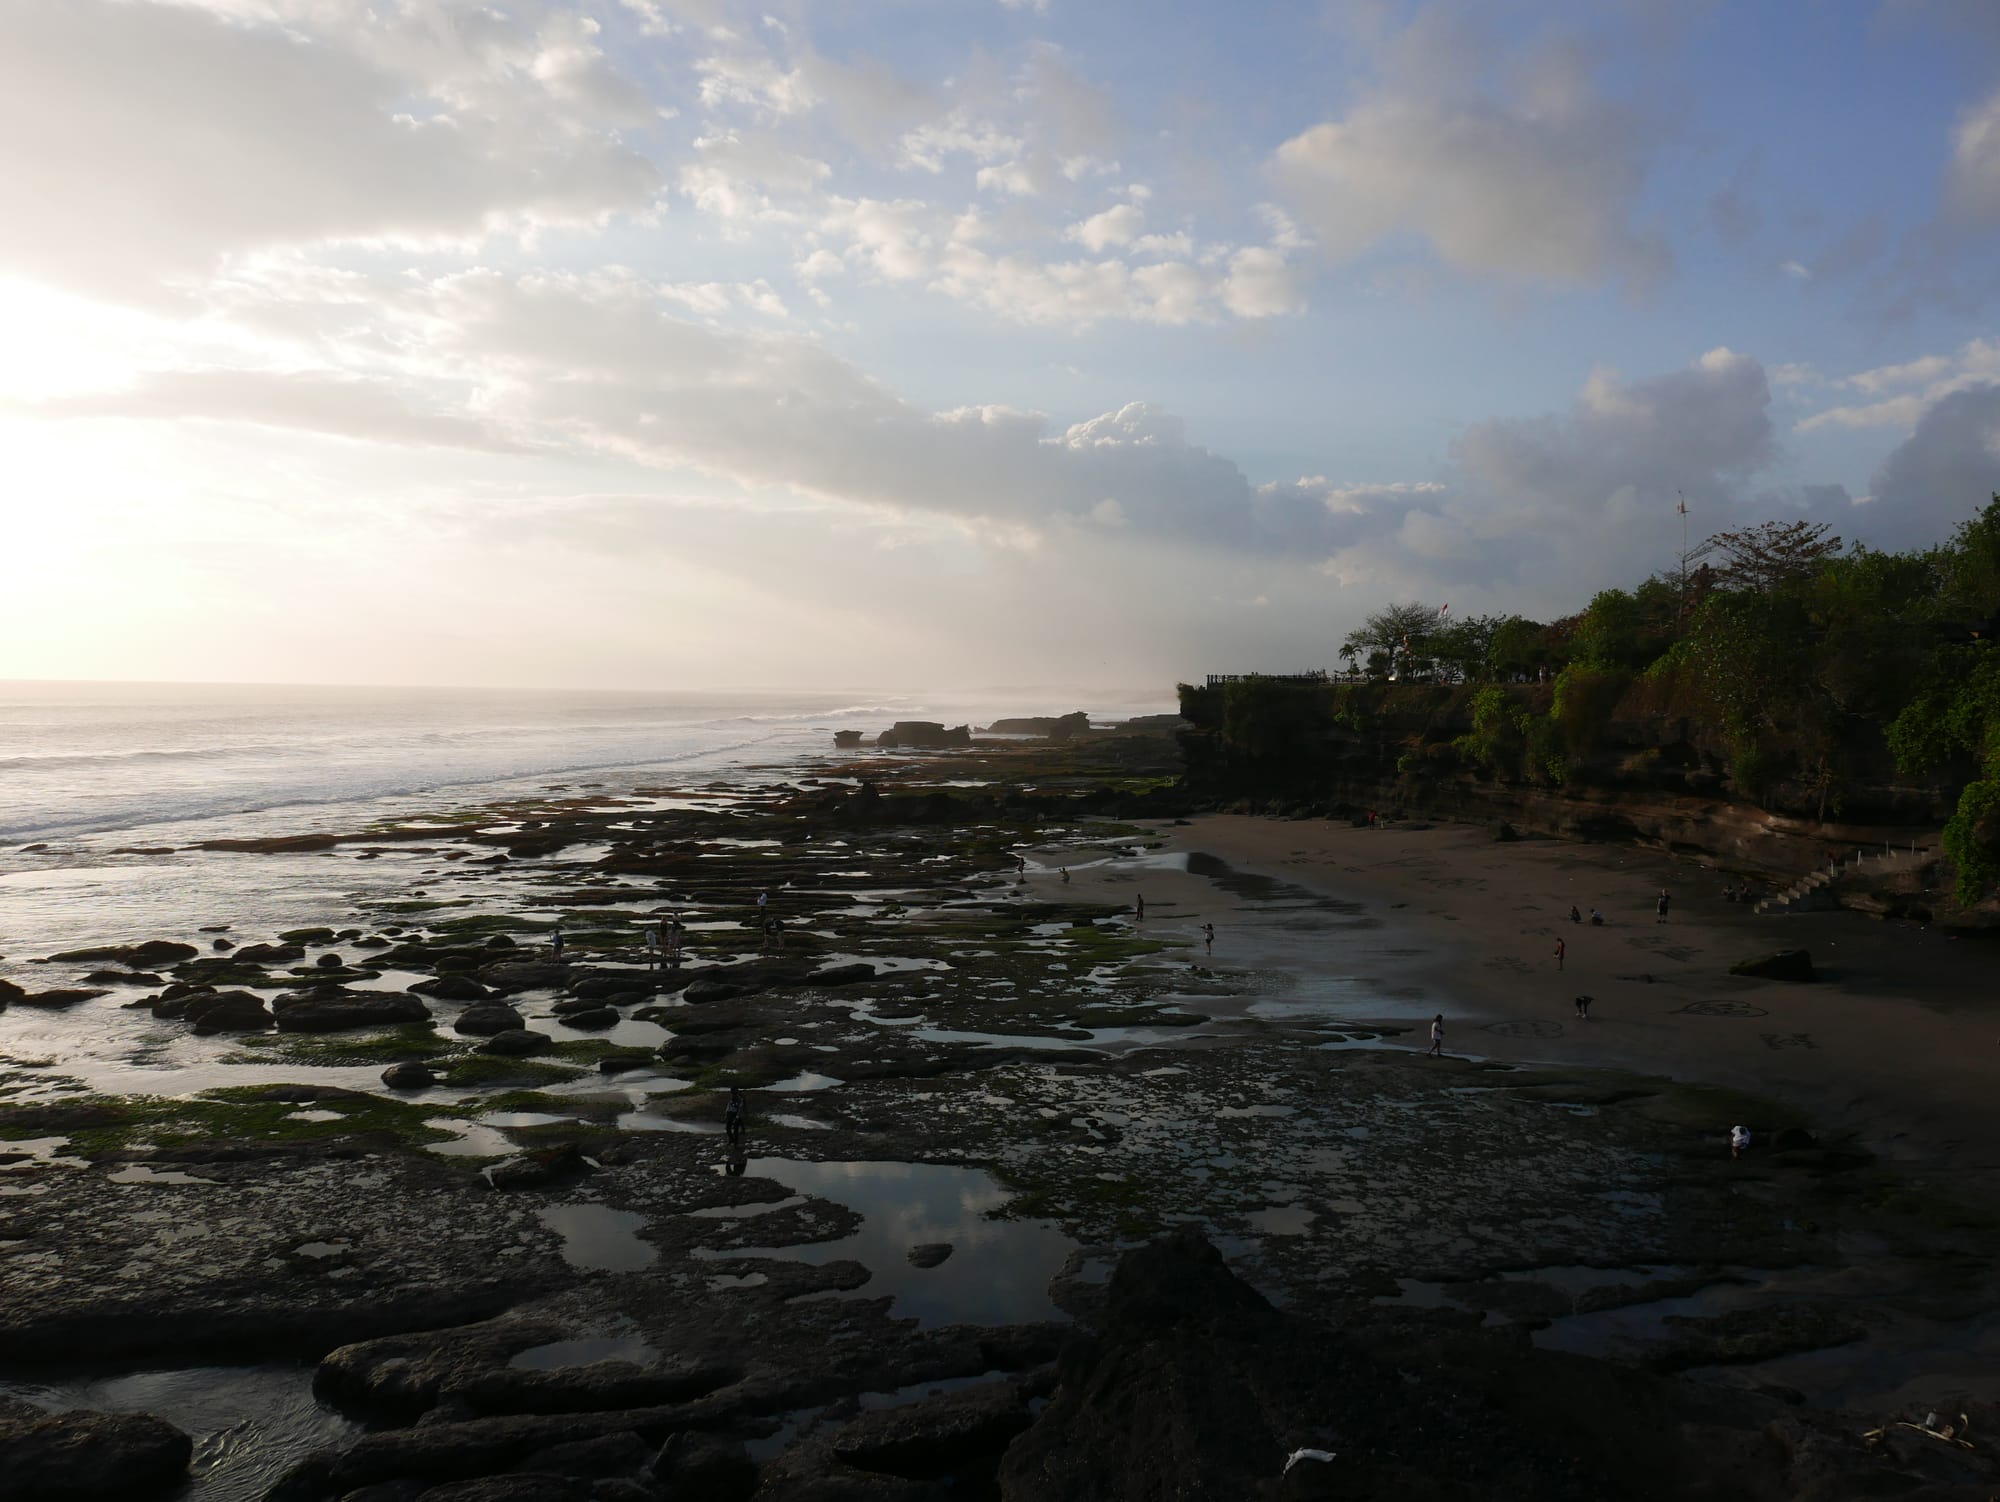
(1437, 1037)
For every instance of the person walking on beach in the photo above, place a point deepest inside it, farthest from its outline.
(1208, 938)
(1583, 1008)
(674, 932)
(556, 945)
(1437, 1037)
(1560, 949)
(1065, 874)
(734, 1114)
(1140, 904)
(653, 947)
(1661, 906)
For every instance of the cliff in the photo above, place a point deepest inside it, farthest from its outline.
(1603, 761)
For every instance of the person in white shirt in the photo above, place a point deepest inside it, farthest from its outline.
(1437, 1037)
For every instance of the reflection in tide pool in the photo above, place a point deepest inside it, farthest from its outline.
(599, 1237)
(998, 1272)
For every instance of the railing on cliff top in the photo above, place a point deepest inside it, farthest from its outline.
(1318, 675)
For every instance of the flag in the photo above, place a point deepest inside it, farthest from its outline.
(1683, 507)
(1443, 611)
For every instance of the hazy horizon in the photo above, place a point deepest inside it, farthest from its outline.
(636, 342)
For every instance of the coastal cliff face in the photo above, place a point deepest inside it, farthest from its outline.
(1609, 768)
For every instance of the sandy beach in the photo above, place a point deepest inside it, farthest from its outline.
(1895, 1043)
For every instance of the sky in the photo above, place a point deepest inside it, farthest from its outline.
(919, 344)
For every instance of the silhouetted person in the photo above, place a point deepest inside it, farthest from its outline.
(1437, 1037)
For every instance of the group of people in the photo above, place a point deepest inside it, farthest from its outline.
(663, 944)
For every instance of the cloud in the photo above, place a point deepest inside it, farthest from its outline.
(342, 406)
(1944, 472)
(1260, 284)
(143, 143)
(1118, 225)
(1973, 180)
(1533, 176)
(907, 241)
(1905, 392)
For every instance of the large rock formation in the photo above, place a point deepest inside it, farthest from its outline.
(1198, 1390)
(923, 735)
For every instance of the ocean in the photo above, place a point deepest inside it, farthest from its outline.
(99, 782)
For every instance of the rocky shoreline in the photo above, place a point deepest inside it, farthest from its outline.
(488, 1196)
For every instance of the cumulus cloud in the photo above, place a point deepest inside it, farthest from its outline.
(1902, 393)
(143, 142)
(1534, 174)
(1118, 225)
(1943, 473)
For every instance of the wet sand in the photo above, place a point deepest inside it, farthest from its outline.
(1897, 1043)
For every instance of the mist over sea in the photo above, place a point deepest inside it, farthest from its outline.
(89, 758)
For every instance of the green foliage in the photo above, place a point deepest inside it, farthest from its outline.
(1956, 713)
(1264, 719)
(1585, 697)
(1497, 737)
(1972, 839)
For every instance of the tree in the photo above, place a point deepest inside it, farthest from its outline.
(1395, 631)
(1770, 555)
(1518, 647)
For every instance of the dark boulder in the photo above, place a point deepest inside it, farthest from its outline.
(124, 978)
(87, 1457)
(620, 1063)
(397, 1378)
(554, 1164)
(591, 1019)
(485, 1020)
(1786, 964)
(929, 1254)
(616, 983)
(605, 1457)
(227, 1012)
(693, 1464)
(516, 1043)
(330, 962)
(708, 988)
(452, 988)
(524, 975)
(270, 954)
(935, 1437)
(409, 1075)
(842, 975)
(147, 956)
(333, 1008)
(9, 992)
(598, 1387)
(56, 1001)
